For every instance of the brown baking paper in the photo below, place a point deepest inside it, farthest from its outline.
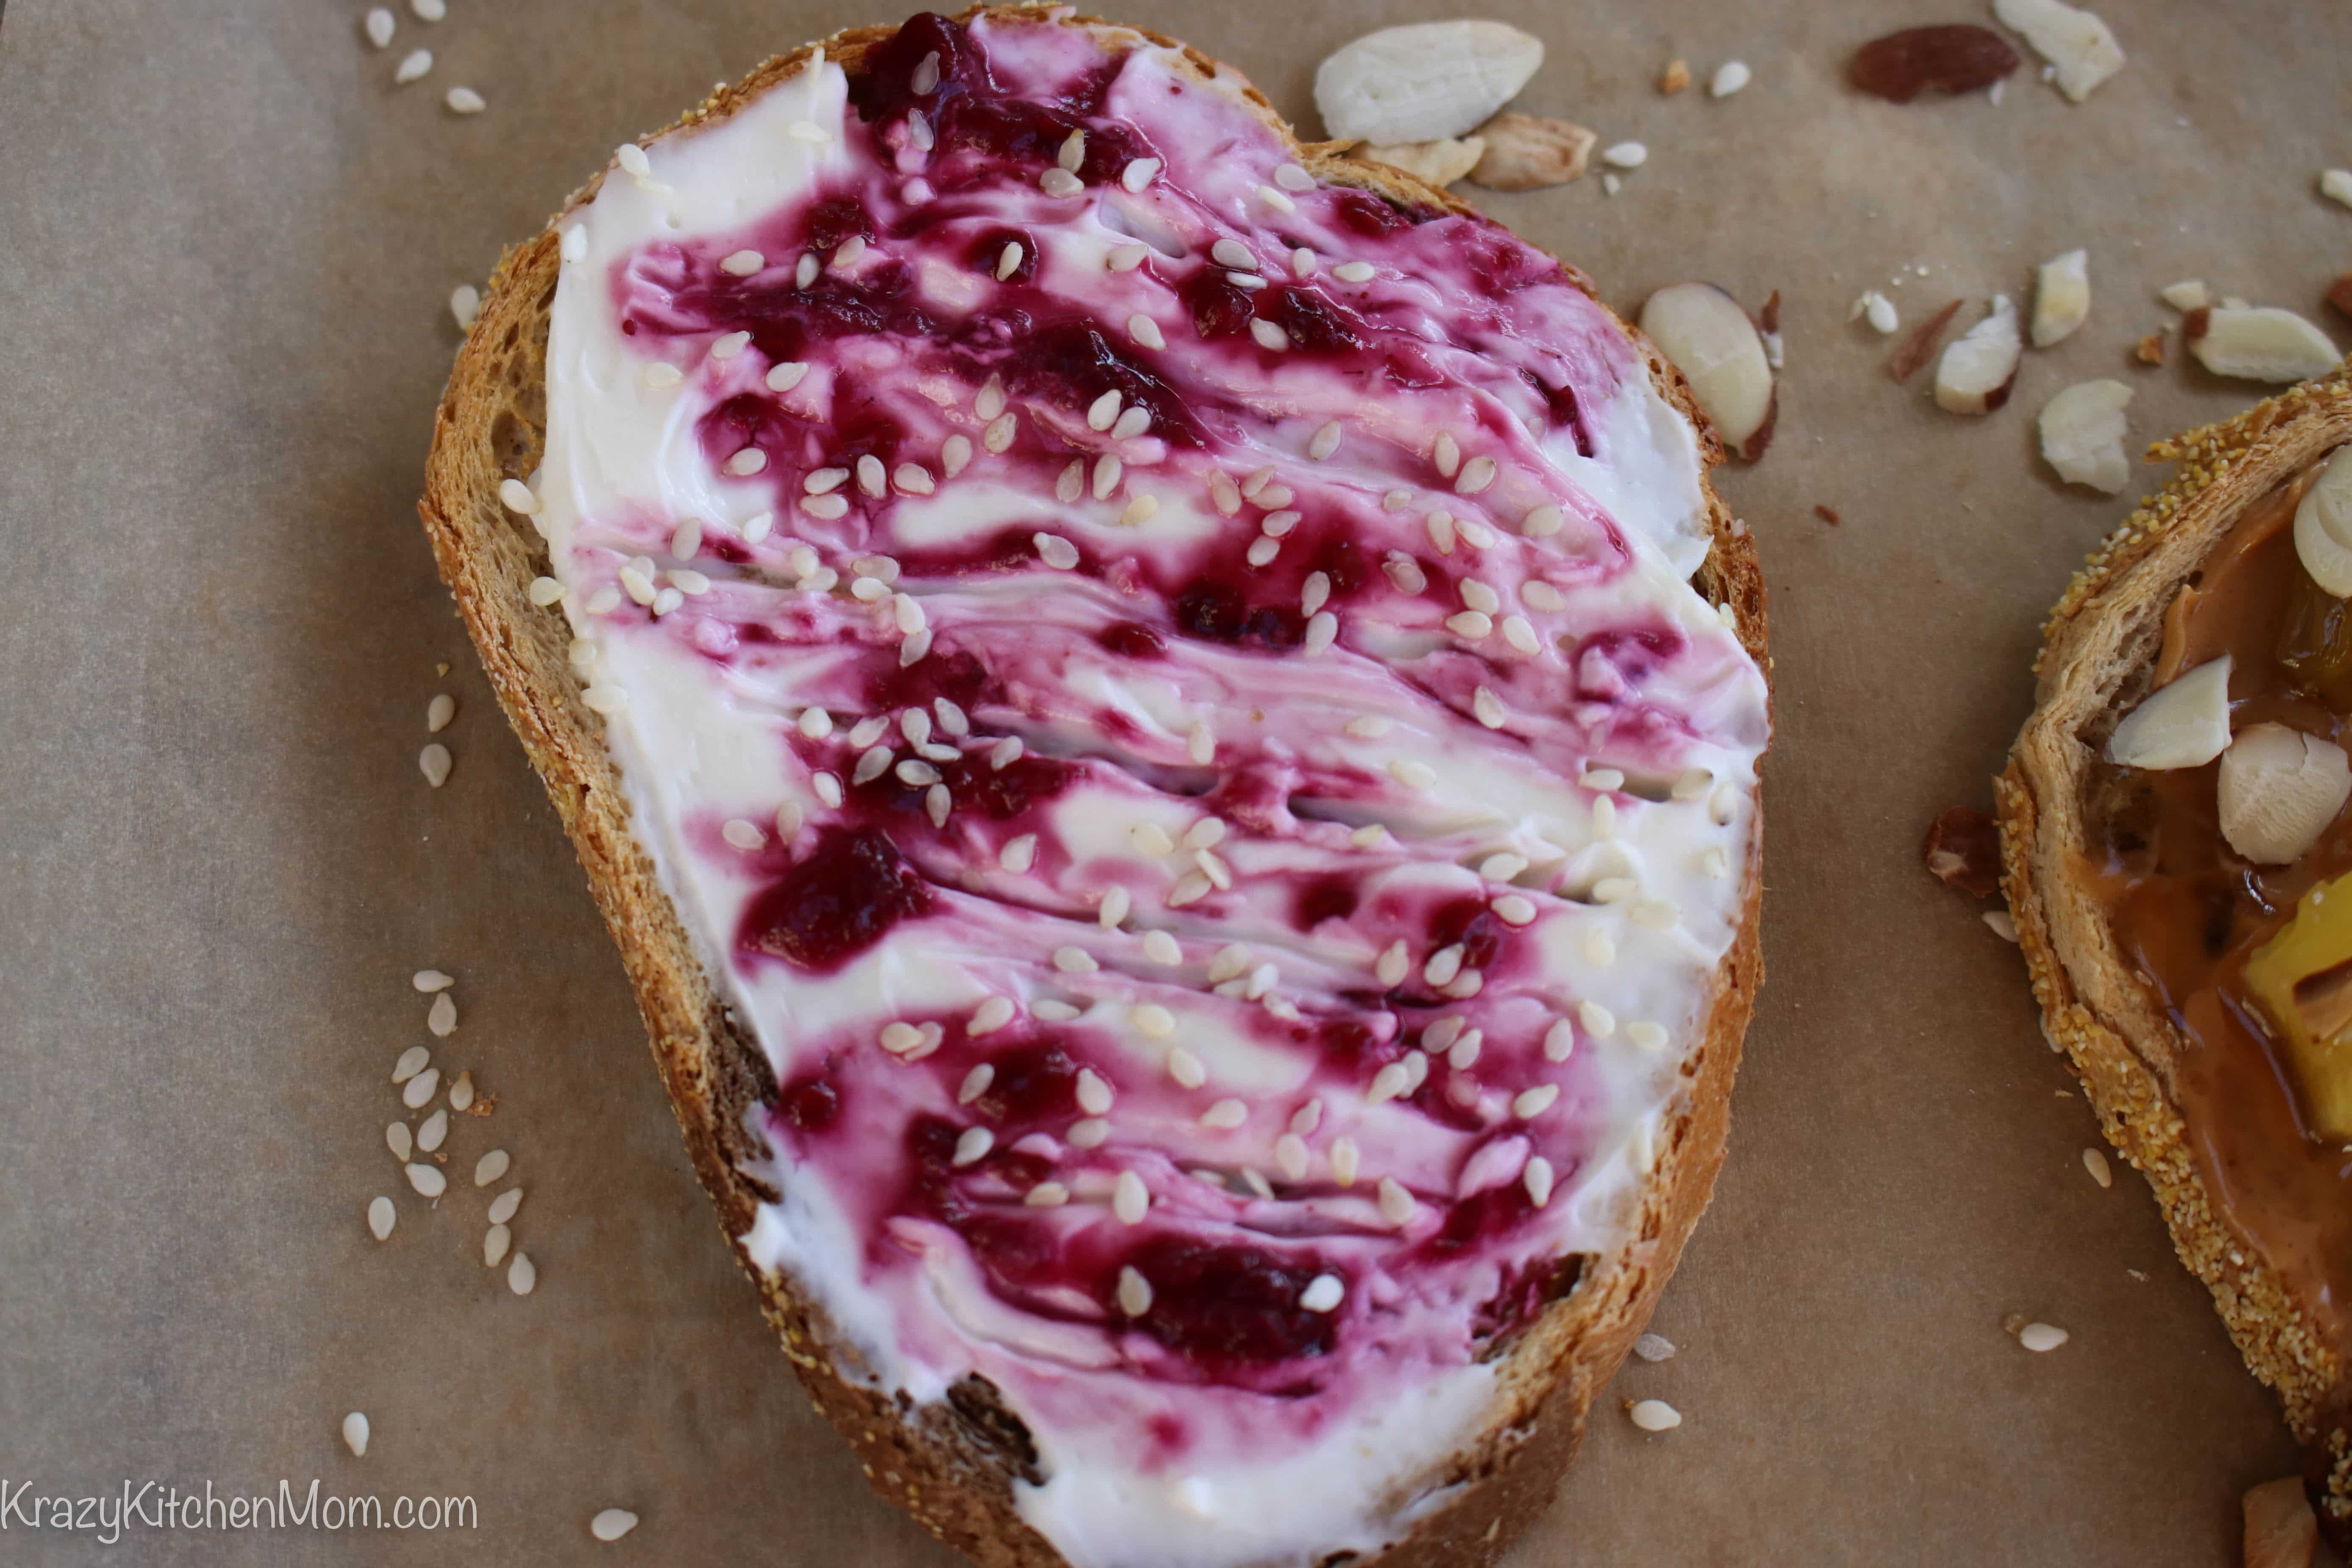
(226, 244)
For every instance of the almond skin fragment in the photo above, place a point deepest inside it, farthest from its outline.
(1706, 334)
(1956, 57)
(1526, 154)
(1438, 163)
(2340, 293)
(2281, 1529)
(1674, 78)
(1979, 366)
(1963, 851)
(2151, 349)
(1921, 344)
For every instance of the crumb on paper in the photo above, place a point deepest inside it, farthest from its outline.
(1963, 851)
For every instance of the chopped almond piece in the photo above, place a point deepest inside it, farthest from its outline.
(1674, 78)
(2281, 1529)
(2151, 349)
(2340, 293)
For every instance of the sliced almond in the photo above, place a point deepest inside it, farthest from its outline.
(2062, 297)
(1978, 367)
(2281, 1529)
(2279, 790)
(2263, 344)
(2188, 294)
(2185, 724)
(2323, 528)
(1428, 83)
(1709, 337)
(1526, 154)
(1438, 163)
(2336, 184)
(2083, 435)
(2082, 47)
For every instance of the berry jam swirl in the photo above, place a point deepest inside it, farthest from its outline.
(1166, 690)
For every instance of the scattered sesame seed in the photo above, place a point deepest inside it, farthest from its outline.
(1302, 262)
(1344, 1160)
(382, 1217)
(1353, 273)
(1396, 1204)
(1476, 476)
(412, 67)
(1276, 199)
(1599, 951)
(913, 479)
(1131, 423)
(1071, 483)
(1626, 156)
(1130, 1198)
(998, 436)
(1140, 173)
(1126, 257)
(1189, 888)
(1073, 152)
(464, 100)
(915, 773)
(427, 1180)
(1262, 551)
(503, 1206)
(2095, 1162)
(1134, 1292)
(1292, 177)
(1656, 1415)
(613, 1522)
(495, 1243)
(1604, 818)
(870, 476)
(1530, 1103)
(1473, 624)
(380, 24)
(432, 1131)
(574, 244)
(1055, 551)
(1268, 335)
(1019, 855)
(974, 1143)
(1108, 468)
(1225, 1115)
(805, 271)
(1394, 1079)
(1060, 183)
(1004, 753)
(726, 345)
(1278, 524)
(1161, 948)
(828, 790)
(1146, 330)
(926, 75)
(1046, 1194)
(1537, 1178)
(442, 1017)
(1368, 835)
(2042, 1337)
(1094, 1092)
(1520, 633)
(1322, 630)
(1393, 965)
(810, 131)
(1008, 260)
(490, 1167)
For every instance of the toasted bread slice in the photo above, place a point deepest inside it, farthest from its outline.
(956, 1463)
(2104, 642)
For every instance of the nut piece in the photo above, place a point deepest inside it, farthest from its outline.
(1525, 153)
(2281, 1529)
(1438, 163)
(2062, 297)
(2336, 185)
(2340, 293)
(1877, 309)
(2266, 344)
(2323, 528)
(1427, 82)
(1956, 57)
(2188, 294)
(2080, 45)
(1709, 337)
(2183, 725)
(2083, 435)
(2279, 790)
(1674, 78)
(1981, 365)
(1963, 851)
(2151, 349)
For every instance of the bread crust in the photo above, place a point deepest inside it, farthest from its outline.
(952, 1464)
(2099, 645)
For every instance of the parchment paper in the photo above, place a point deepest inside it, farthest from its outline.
(225, 244)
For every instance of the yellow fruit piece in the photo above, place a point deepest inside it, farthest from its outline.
(2303, 979)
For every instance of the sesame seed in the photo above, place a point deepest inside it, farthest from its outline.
(900, 1037)
(991, 1015)
(867, 731)
(788, 821)
(1446, 453)
(809, 130)
(574, 246)
(1230, 961)
(1004, 753)
(1604, 818)
(491, 1166)
(1440, 525)
(805, 271)
(1396, 1204)
(1302, 262)
(612, 1523)
(1074, 961)
(1530, 1103)
(1278, 524)
(974, 1144)
(1542, 595)
(1477, 475)
(1055, 551)
(1161, 948)
(1262, 551)
(1225, 1115)
(1487, 707)
(1140, 173)
(1393, 965)
(1060, 183)
(828, 790)
(726, 345)
(1008, 260)
(998, 436)
(1723, 804)
(1322, 630)
(1614, 890)
(1233, 253)
(989, 402)
(1189, 888)
(1543, 522)
(1646, 1036)
(464, 305)
(427, 1180)
(1392, 1081)
(1515, 910)
(1103, 410)
(1019, 855)
(2040, 1338)
(1479, 597)
(1047, 1196)
(668, 599)
(1131, 423)
(872, 765)
(1115, 906)
(1146, 330)
(920, 136)
(1599, 951)
(1416, 775)
(1404, 574)
(744, 834)
(1316, 594)
(1200, 745)
(1276, 199)
(915, 773)
(1521, 634)
(515, 497)
(1472, 533)
(442, 1018)
(380, 24)
(1292, 177)
(603, 698)
(1658, 914)
(1502, 866)
(1134, 1291)
(1626, 156)
(1213, 868)
(1129, 1199)
(495, 1243)
(1474, 625)
(503, 1206)
(1126, 257)
(1073, 152)
(1537, 1179)
(661, 374)
(1463, 1055)
(1344, 1159)
(382, 1217)
(747, 462)
(412, 67)
(926, 76)
(870, 476)
(1353, 273)
(913, 479)
(1443, 965)
(1268, 335)
(1366, 837)
(1071, 483)
(1108, 468)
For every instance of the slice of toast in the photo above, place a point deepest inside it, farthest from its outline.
(958, 1463)
(2103, 641)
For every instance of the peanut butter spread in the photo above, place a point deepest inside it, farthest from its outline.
(2190, 912)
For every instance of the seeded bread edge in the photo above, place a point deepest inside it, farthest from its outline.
(2100, 644)
(952, 1464)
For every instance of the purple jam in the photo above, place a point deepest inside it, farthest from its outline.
(834, 902)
